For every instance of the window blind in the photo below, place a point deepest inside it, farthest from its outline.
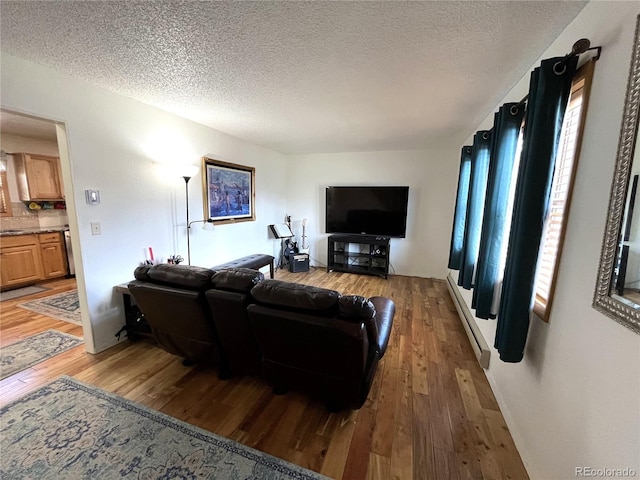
(564, 173)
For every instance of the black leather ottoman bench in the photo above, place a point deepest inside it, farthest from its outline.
(255, 262)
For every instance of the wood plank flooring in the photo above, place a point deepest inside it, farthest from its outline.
(430, 414)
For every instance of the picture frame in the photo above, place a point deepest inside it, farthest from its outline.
(229, 191)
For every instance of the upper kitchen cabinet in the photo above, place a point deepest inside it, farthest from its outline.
(39, 177)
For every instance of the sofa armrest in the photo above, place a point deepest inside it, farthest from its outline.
(385, 310)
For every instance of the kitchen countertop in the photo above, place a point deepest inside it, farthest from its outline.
(30, 231)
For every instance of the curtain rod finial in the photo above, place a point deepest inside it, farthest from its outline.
(580, 46)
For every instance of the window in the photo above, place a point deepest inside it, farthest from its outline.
(561, 188)
(505, 239)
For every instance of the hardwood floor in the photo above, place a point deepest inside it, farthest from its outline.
(430, 414)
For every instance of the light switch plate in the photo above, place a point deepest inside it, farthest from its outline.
(96, 228)
(92, 196)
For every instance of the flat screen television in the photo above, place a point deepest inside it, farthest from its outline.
(380, 211)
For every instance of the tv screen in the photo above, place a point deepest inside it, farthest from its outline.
(380, 211)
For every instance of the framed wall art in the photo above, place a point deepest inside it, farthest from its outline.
(229, 191)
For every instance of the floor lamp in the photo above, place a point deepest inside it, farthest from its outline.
(187, 173)
(186, 195)
(208, 223)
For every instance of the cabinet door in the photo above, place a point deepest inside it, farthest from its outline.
(53, 263)
(21, 264)
(43, 177)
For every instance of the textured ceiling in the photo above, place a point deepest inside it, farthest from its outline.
(299, 77)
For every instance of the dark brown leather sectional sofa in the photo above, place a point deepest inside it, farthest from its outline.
(296, 337)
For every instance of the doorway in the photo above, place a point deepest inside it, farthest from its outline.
(36, 147)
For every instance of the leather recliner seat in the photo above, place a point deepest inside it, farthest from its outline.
(320, 341)
(228, 300)
(172, 299)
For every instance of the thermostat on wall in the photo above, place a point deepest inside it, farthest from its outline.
(93, 197)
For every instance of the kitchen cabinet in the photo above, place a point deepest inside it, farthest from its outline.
(39, 177)
(20, 259)
(27, 259)
(53, 255)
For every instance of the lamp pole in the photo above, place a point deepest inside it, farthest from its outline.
(186, 193)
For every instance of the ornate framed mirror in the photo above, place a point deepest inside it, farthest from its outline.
(617, 293)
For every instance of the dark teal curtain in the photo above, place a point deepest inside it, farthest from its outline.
(460, 214)
(480, 153)
(549, 90)
(506, 130)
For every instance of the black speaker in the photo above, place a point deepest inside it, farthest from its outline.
(299, 263)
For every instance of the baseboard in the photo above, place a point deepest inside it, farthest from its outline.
(477, 341)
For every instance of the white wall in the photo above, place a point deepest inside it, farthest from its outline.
(574, 401)
(114, 145)
(431, 176)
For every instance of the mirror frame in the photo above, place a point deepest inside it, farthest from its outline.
(602, 300)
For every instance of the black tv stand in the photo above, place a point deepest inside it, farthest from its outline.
(364, 254)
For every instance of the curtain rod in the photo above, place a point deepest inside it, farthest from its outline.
(581, 46)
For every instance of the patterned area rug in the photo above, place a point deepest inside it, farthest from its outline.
(25, 353)
(21, 292)
(62, 306)
(68, 429)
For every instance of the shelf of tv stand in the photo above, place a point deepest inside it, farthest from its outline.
(361, 254)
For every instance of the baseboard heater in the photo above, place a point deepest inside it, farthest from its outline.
(480, 347)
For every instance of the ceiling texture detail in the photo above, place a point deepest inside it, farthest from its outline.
(299, 77)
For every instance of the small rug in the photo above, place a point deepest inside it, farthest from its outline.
(68, 429)
(27, 352)
(21, 292)
(61, 306)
